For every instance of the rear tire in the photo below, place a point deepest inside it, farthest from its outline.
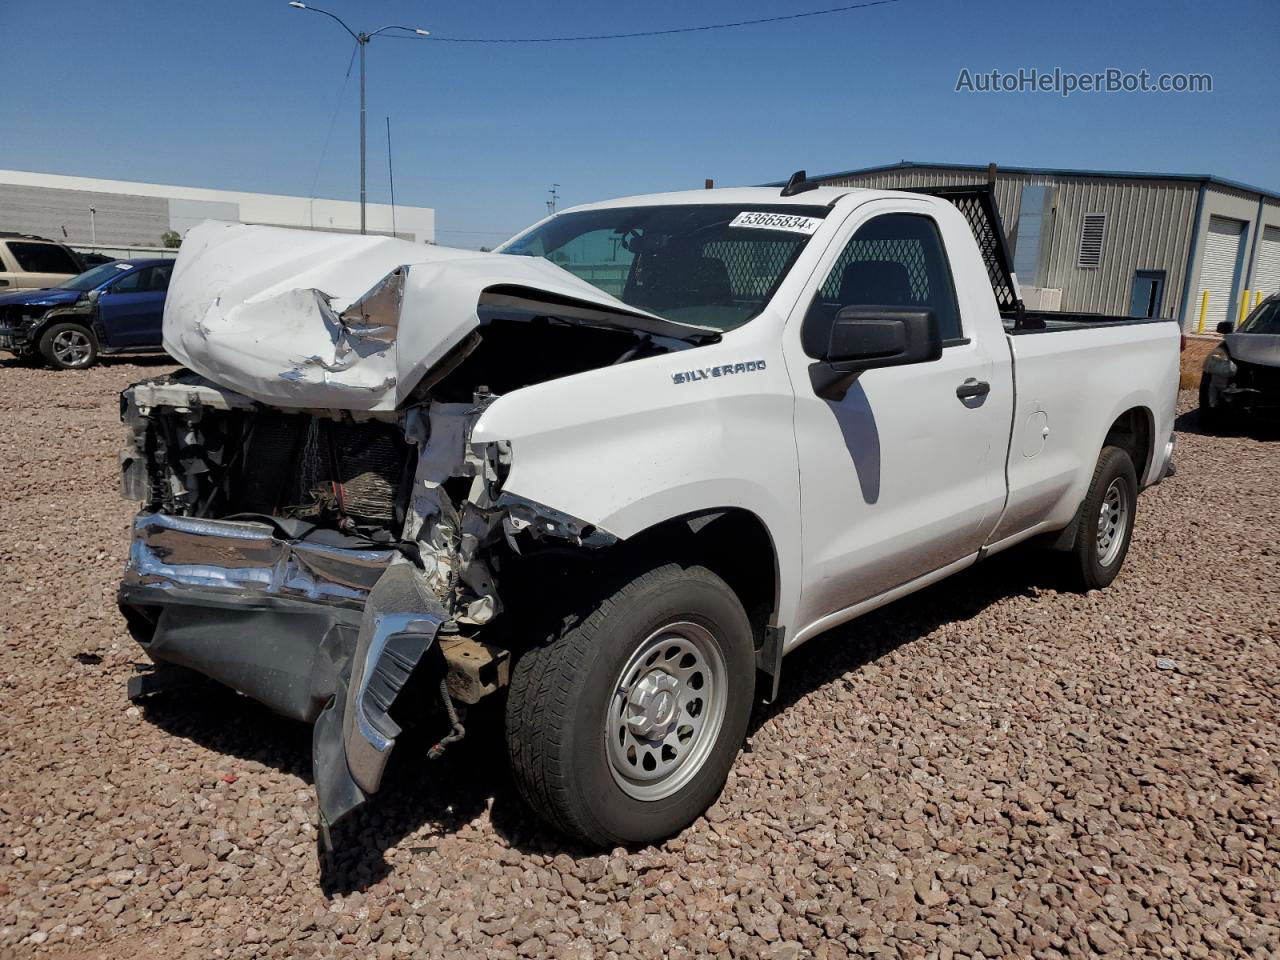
(622, 728)
(69, 346)
(1105, 524)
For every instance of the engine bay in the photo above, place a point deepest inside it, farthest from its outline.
(409, 480)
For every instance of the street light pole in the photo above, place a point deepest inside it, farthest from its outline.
(362, 41)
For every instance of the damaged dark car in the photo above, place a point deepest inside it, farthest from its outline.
(1241, 378)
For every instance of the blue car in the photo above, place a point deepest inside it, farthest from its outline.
(113, 308)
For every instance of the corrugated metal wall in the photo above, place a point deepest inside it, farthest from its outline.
(1149, 226)
(121, 219)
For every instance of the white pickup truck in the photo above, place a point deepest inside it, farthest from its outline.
(612, 472)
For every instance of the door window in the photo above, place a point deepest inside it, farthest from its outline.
(159, 281)
(132, 282)
(896, 259)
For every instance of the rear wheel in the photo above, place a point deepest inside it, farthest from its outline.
(623, 728)
(1105, 525)
(69, 346)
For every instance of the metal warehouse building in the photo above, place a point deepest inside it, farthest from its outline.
(1103, 241)
(120, 218)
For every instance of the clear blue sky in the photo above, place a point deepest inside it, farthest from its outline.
(239, 94)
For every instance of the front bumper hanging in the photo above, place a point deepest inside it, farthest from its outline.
(317, 632)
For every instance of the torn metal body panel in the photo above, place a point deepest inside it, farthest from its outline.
(399, 627)
(299, 318)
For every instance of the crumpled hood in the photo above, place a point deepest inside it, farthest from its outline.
(46, 296)
(300, 318)
(1259, 348)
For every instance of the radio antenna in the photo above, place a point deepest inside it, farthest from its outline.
(391, 175)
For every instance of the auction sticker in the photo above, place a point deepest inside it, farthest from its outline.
(776, 221)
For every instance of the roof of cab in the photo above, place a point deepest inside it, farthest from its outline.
(820, 197)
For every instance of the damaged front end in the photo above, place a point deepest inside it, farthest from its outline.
(316, 528)
(317, 561)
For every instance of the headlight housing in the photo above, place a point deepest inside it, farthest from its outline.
(1219, 363)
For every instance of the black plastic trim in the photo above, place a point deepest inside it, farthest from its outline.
(1078, 322)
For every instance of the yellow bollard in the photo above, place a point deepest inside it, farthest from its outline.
(1204, 310)
(1244, 309)
(1257, 298)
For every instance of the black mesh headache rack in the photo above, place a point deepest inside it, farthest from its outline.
(977, 203)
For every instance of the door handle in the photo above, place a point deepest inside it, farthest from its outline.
(973, 388)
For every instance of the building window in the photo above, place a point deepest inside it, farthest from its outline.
(1033, 211)
(1091, 233)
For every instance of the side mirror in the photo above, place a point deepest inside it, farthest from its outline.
(1226, 326)
(93, 295)
(866, 337)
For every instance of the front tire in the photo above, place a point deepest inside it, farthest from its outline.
(622, 728)
(69, 346)
(1105, 526)
(1213, 417)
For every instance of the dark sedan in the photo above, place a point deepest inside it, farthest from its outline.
(1242, 375)
(113, 308)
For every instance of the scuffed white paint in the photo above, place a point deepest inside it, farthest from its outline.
(298, 318)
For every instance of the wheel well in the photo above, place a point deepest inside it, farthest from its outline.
(732, 543)
(74, 320)
(1132, 432)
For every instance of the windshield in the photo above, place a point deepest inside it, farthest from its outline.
(712, 265)
(92, 279)
(1266, 319)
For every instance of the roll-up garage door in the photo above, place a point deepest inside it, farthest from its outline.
(1267, 277)
(1218, 270)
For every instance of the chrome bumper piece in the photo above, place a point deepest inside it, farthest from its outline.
(246, 557)
(246, 566)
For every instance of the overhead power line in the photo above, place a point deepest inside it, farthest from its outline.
(332, 121)
(654, 33)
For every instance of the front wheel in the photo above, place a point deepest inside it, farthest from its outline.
(622, 728)
(69, 346)
(1105, 526)
(1213, 416)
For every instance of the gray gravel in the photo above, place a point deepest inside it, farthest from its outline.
(992, 768)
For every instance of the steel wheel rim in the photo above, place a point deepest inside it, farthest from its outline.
(71, 347)
(1113, 518)
(666, 711)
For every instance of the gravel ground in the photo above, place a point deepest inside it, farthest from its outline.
(990, 768)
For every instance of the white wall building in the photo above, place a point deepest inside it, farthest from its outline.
(118, 216)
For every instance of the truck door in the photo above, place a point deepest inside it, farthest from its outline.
(131, 310)
(905, 474)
